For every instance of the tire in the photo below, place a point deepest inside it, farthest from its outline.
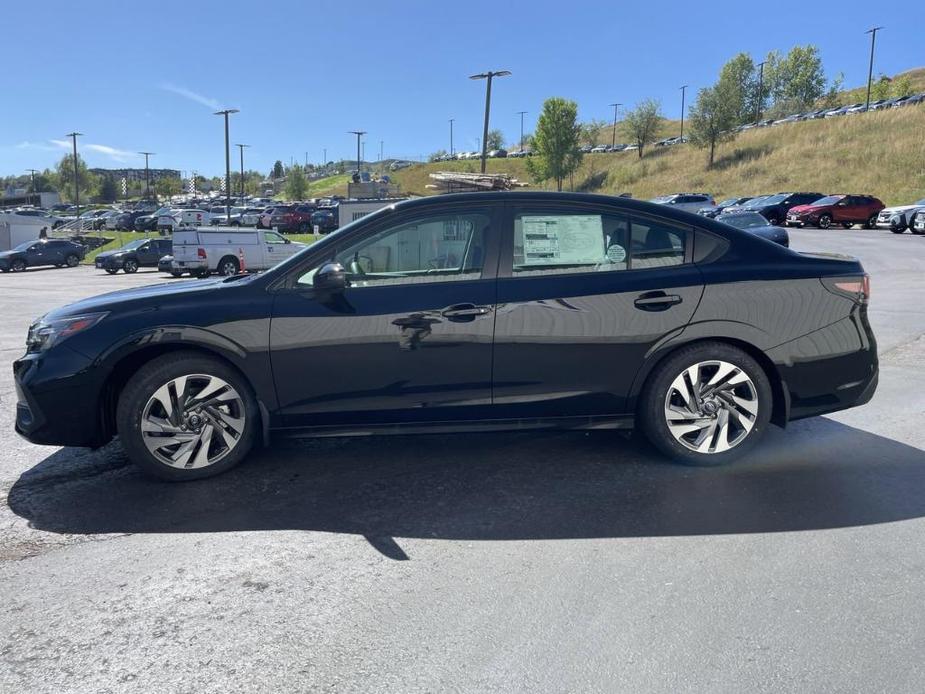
(176, 274)
(871, 223)
(112, 270)
(228, 266)
(203, 274)
(130, 267)
(897, 230)
(746, 418)
(143, 420)
(72, 260)
(847, 225)
(18, 265)
(825, 221)
(773, 220)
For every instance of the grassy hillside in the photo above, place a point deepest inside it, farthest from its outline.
(881, 153)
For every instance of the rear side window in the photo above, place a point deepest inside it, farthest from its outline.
(654, 244)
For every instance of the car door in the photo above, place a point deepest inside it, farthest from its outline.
(276, 248)
(585, 291)
(409, 340)
(36, 255)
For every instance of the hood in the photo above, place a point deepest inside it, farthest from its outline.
(4, 255)
(110, 254)
(900, 208)
(146, 298)
(803, 209)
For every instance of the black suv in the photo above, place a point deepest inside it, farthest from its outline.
(133, 255)
(57, 252)
(479, 311)
(775, 207)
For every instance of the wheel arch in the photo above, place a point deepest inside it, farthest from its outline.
(780, 412)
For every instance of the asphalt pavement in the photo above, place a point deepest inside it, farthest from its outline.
(550, 562)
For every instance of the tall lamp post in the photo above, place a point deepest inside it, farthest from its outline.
(683, 91)
(488, 76)
(451, 136)
(613, 138)
(760, 90)
(147, 178)
(521, 113)
(227, 112)
(241, 149)
(359, 134)
(33, 172)
(870, 69)
(74, 135)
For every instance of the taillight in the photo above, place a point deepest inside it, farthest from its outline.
(201, 253)
(857, 288)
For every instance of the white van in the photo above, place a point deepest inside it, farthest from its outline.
(204, 251)
(171, 220)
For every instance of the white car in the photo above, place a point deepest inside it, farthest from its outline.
(228, 251)
(690, 202)
(898, 219)
(171, 220)
(600, 149)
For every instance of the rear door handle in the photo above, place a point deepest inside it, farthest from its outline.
(464, 312)
(656, 301)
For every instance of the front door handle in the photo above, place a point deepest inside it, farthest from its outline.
(656, 301)
(461, 313)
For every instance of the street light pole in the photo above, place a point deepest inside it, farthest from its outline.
(227, 112)
(613, 139)
(359, 134)
(870, 69)
(74, 135)
(760, 89)
(147, 180)
(33, 172)
(451, 136)
(487, 76)
(522, 129)
(241, 149)
(683, 91)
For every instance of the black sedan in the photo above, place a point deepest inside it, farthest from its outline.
(774, 208)
(479, 311)
(754, 223)
(56, 252)
(133, 255)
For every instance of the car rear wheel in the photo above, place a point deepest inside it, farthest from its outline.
(707, 404)
(825, 221)
(73, 260)
(112, 270)
(185, 416)
(228, 266)
(18, 265)
(773, 220)
(130, 266)
(176, 274)
(897, 230)
(871, 223)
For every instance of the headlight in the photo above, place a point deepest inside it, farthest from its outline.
(45, 333)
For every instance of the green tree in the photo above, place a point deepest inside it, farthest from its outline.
(796, 81)
(495, 140)
(642, 123)
(881, 88)
(902, 86)
(108, 190)
(278, 170)
(712, 119)
(591, 132)
(556, 142)
(739, 81)
(64, 178)
(165, 187)
(830, 100)
(296, 185)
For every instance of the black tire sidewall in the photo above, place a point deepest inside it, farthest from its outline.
(226, 261)
(129, 266)
(153, 375)
(651, 411)
(825, 221)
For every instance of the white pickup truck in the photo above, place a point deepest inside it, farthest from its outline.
(201, 252)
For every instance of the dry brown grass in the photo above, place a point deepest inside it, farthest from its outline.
(880, 153)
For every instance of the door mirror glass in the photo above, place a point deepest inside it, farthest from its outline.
(330, 277)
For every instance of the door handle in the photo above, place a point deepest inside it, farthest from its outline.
(656, 301)
(464, 312)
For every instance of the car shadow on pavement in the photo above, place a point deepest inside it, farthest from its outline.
(542, 485)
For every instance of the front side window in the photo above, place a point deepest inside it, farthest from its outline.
(273, 237)
(440, 248)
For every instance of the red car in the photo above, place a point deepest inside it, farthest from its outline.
(846, 210)
(293, 218)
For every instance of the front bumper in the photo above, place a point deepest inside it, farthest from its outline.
(108, 263)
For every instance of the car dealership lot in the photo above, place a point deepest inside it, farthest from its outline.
(505, 562)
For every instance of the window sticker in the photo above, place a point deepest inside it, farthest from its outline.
(563, 240)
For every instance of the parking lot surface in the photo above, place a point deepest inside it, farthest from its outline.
(506, 562)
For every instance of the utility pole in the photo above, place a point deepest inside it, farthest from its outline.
(147, 177)
(33, 172)
(522, 129)
(325, 157)
(451, 136)
(613, 139)
(487, 76)
(241, 149)
(359, 134)
(870, 69)
(74, 135)
(760, 91)
(683, 90)
(227, 112)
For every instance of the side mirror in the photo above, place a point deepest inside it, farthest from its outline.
(331, 277)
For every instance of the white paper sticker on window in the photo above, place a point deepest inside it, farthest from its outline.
(563, 240)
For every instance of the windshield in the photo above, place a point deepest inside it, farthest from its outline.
(24, 246)
(727, 203)
(828, 200)
(662, 199)
(919, 202)
(132, 245)
(744, 220)
(773, 199)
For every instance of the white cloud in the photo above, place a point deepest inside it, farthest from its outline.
(193, 96)
(119, 155)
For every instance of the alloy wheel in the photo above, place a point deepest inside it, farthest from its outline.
(193, 421)
(711, 406)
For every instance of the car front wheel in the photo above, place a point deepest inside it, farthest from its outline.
(72, 260)
(18, 265)
(185, 416)
(707, 404)
(130, 266)
(825, 221)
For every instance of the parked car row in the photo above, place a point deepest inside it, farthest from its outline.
(834, 112)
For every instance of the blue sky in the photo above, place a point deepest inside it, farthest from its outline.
(147, 76)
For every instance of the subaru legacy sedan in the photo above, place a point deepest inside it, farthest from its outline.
(478, 311)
